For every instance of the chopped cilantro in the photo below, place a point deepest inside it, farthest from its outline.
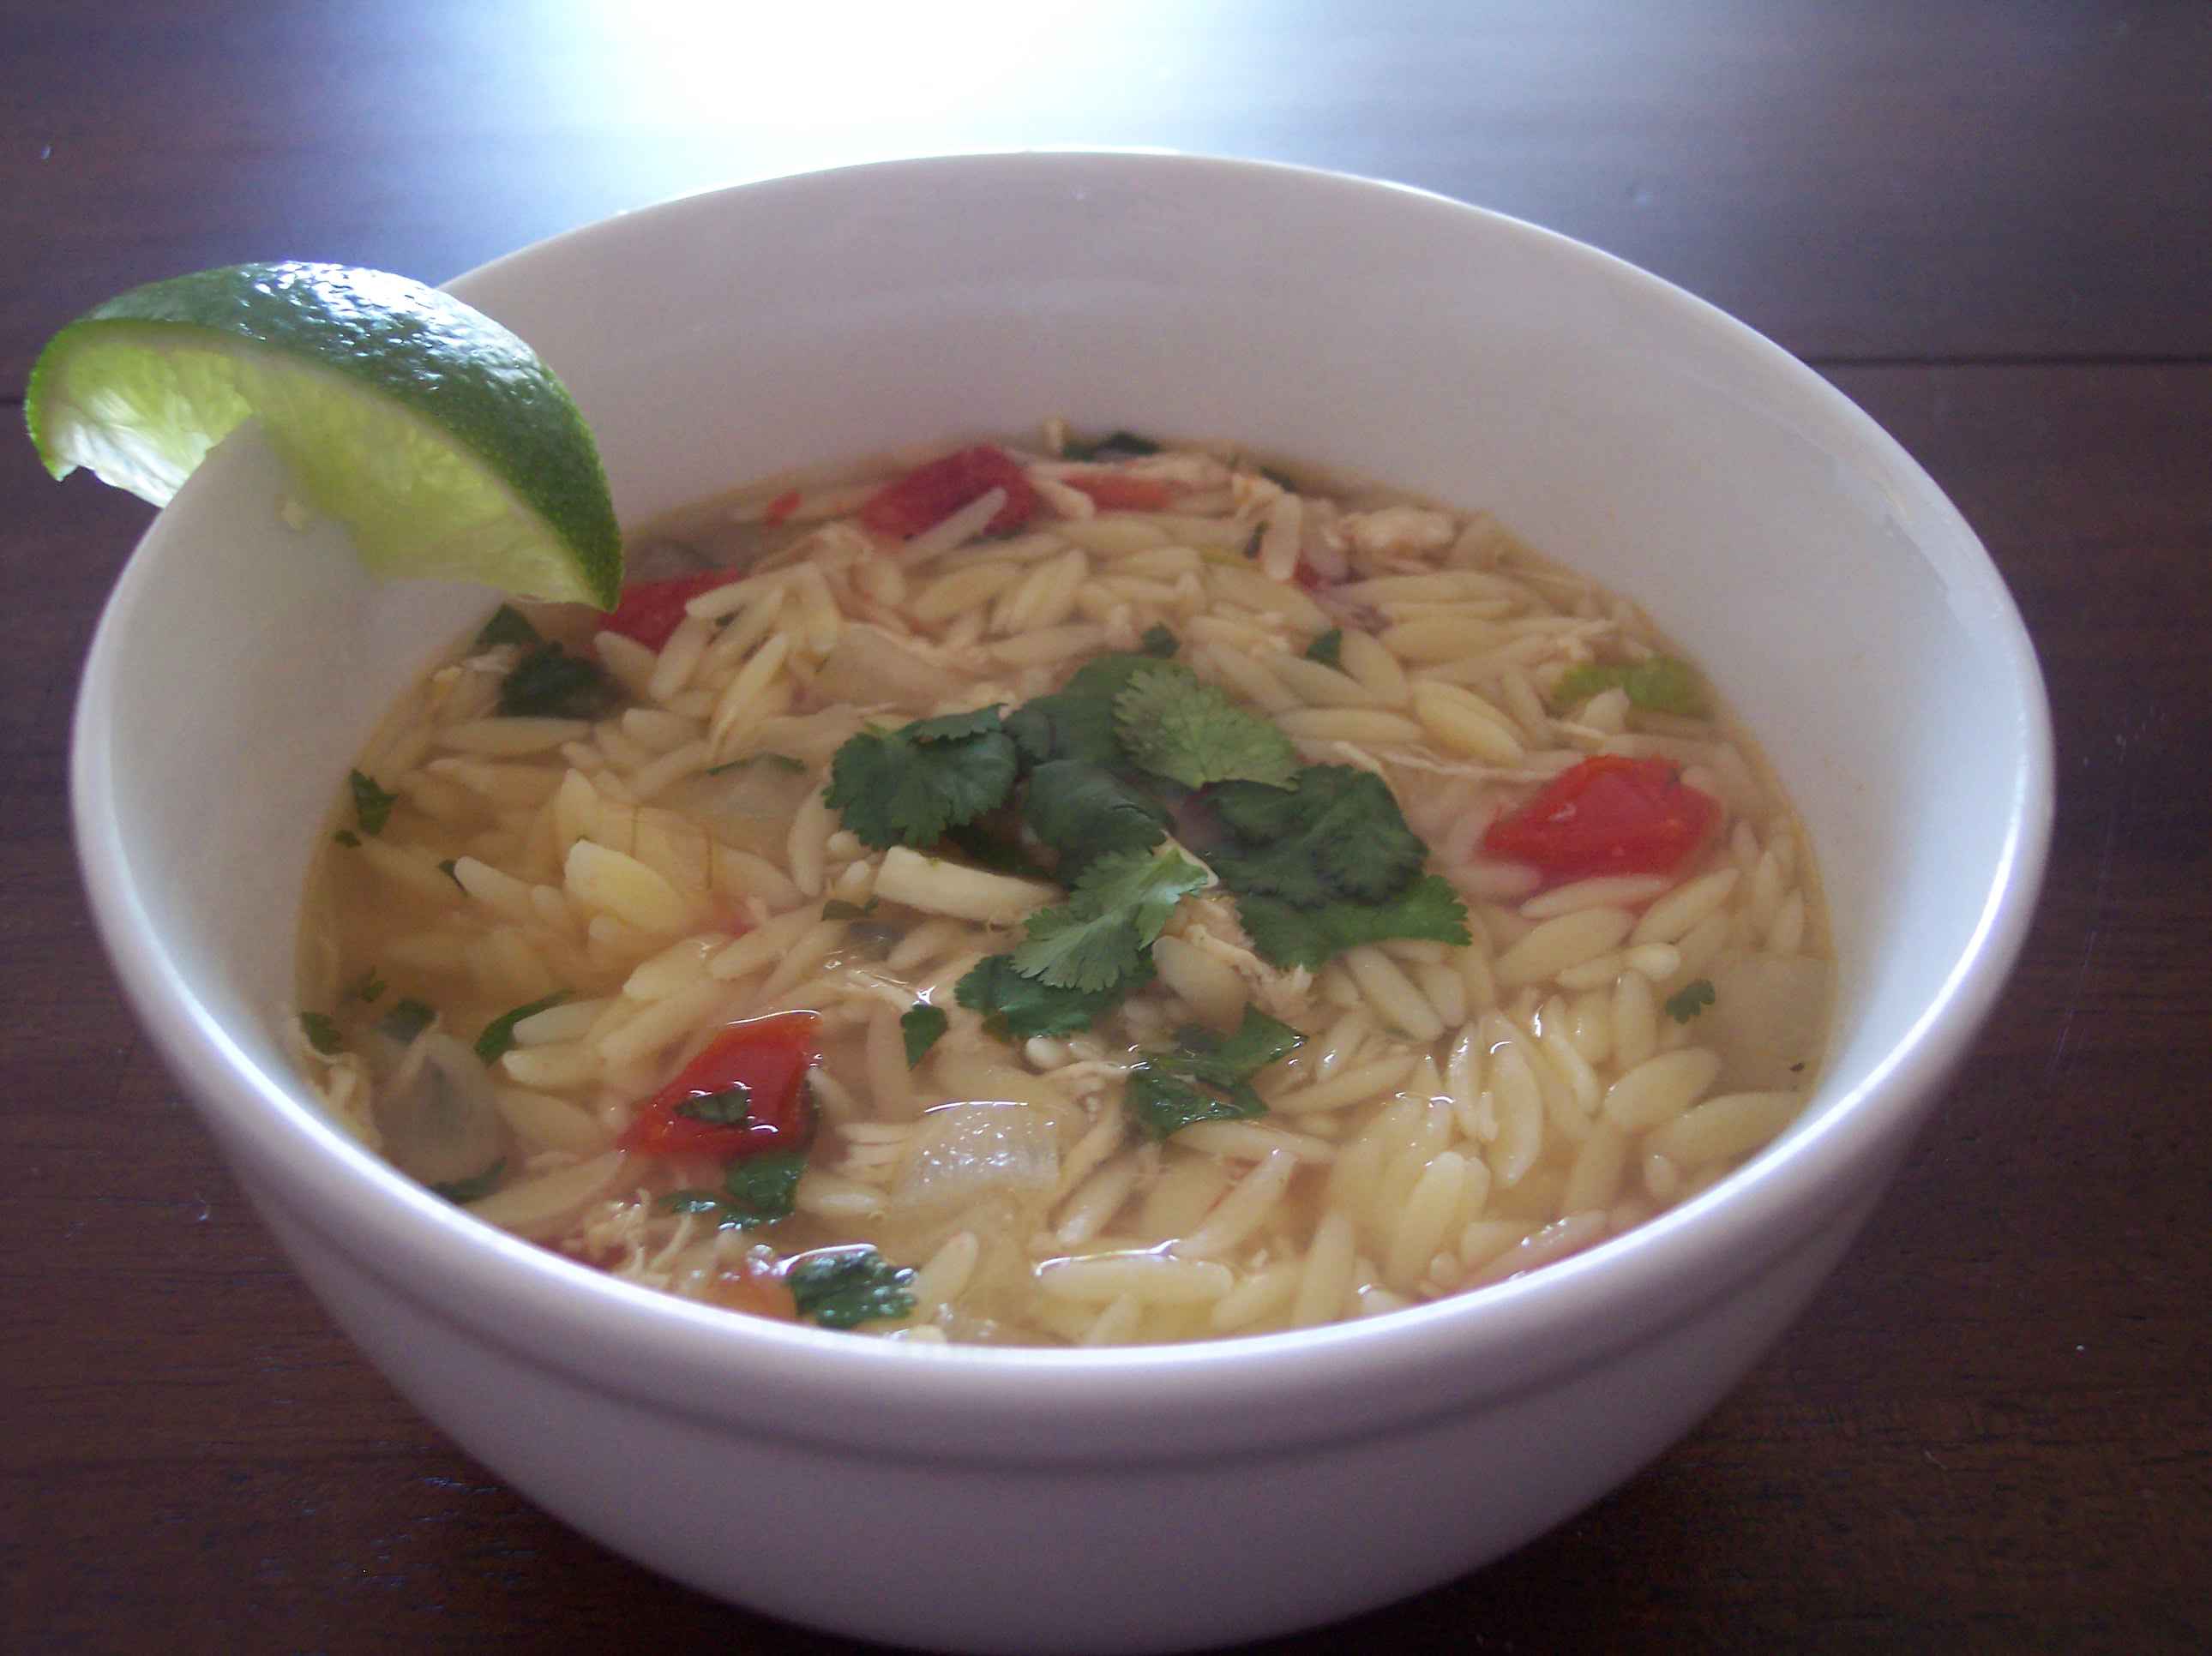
(986, 848)
(372, 806)
(408, 1019)
(689, 1201)
(838, 909)
(366, 988)
(1015, 1008)
(1099, 936)
(1689, 1000)
(322, 1032)
(1327, 648)
(732, 1107)
(1281, 479)
(1658, 684)
(347, 837)
(1797, 1068)
(1176, 724)
(550, 683)
(507, 625)
(498, 1037)
(450, 868)
(923, 1025)
(1336, 833)
(474, 1188)
(1122, 444)
(759, 1189)
(907, 787)
(1076, 721)
(1205, 1078)
(1158, 642)
(843, 1287)
(1289, 936)
(1085, 812)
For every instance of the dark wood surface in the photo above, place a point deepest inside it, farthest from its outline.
(1992, 227)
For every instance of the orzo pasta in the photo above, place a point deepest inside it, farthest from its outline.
(1064, 894)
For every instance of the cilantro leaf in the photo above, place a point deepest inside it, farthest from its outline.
(322, 1032)
(1287, 934)
(449, 867)
(372, 806)
(1099, 936)
(1327, 648)
(1122, 444)
(409, 1018)
(1689, 1000)
(507, 625)
(1085, 812)
(1658, 684)
(838, 909)
(368, 988)
(843, 1287)
(1176, 724)
(923, 1026)
(1157, 642)
(347, 837)
(475, 1187)
(732, 1107)
(759, 1190)
(498, 1037)
(1017, 1008)
(1076, 721)
(1336, 833)
(550, 683)
(1205, 1078)
(689, 1201)
(907, 787)
(979, 843)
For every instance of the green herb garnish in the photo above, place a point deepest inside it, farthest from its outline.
(1100, 935)
(1658, 684)
(498, 1037)
(1158, 642)
(1015, 1008)
(731, 1107)
(1176, 724)
(1085, 812)
(368, 988)
(844, 1287)
(761, 1188)
(347, 838)
(1076, 721)
(781, 762)
(1205, 1078)
(907, 787)
(476, 1187)
(450, 868)
(923, 1026)
(550, 683)
(408, 1019)
(1327, 648)
(322, 1032)
(507, 625)
(1689, 1000)
(372, 806)
(838, 909)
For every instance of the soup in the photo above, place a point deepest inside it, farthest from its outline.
(1063, 893)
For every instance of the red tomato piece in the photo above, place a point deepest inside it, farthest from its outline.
(1609, 815)
(768, 1057)
(1117, 491)
(926, 497)
(651, 609)
(781, 507)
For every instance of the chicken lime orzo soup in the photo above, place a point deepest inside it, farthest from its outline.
(1054, 892)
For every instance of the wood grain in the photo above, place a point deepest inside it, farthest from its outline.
(1990, 1431)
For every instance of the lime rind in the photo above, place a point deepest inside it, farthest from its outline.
(442, 438)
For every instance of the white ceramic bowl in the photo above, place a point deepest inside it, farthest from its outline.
(1111, 1500)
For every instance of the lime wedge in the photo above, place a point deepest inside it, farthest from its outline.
(443, 439)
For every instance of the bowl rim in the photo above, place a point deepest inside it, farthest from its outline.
(1017, 1401)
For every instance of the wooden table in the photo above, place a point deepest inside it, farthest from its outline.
(1992, 227)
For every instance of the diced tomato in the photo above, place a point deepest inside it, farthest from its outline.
(1305, 574)
(651, 610)
(781, 507)
(1117, 491)
(768, 1057)
(925, 498)
(1609, 815)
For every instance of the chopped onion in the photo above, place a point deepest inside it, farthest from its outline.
(1767, 1014)
(961, 1151)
